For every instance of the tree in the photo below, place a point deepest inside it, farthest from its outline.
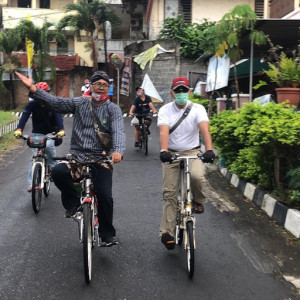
(192, 37)
(40, 36)
(89, 17)
(9, 42)
(229, 31)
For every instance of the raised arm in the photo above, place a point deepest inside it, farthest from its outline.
(27, 81)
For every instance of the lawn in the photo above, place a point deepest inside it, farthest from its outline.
(7, 141)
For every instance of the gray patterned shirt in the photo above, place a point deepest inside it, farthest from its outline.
(84, 141)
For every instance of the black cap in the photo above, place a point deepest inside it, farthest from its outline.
(99, 75)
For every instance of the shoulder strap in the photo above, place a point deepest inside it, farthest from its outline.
(96, 127)
(186, 112)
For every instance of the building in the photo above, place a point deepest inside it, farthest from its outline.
(141, 20)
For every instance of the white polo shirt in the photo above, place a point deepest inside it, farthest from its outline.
(186, 135)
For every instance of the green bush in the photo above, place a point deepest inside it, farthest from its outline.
(253, 138)
(205, 102)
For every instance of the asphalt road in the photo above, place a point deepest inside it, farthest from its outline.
(241, 253)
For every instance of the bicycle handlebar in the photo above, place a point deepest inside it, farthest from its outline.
(49, 137)
(177, 156)
(71, 159)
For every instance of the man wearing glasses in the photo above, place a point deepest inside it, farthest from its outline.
(185, 141)
(86, 145)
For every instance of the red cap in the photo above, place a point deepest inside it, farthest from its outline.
(180, 81)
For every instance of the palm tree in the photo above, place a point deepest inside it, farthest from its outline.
(40, 36)
(9, 42)
(88, 17)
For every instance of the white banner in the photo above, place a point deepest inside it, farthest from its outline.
(217, 73)
(150, 89)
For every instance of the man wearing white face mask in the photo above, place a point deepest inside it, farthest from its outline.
(89, 112)
(184, 139)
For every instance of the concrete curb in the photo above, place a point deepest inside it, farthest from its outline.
(284, 216)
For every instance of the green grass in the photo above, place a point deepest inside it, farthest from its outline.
(6, 117)
(8, 141)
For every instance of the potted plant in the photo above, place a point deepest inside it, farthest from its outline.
(286, 74)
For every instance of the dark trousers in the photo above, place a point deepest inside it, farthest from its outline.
(102, 181)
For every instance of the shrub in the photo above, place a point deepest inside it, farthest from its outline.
(256, 139)
(205, 102)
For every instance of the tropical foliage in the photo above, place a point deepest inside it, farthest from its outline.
(259, 143)
(88, 17)
(40, 36)
(9, 42)
(192, 37)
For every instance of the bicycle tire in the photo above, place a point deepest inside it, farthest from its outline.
(190, 255)
(47, 182)
(36, 193)
(145, 140)
(87, 242)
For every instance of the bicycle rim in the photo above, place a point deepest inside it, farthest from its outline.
(36, 193)
(190, 248)
(87, 242)
(47, 182)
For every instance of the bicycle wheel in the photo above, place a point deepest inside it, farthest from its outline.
(87, 242)
(36, 193)
(47, 181)
(190, 248)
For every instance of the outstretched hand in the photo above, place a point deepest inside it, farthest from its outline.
(27, 81)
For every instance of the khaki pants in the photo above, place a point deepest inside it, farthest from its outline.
(171, 174)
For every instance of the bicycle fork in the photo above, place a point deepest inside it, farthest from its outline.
(41, 163)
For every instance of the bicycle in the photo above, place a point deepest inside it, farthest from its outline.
(87, 214)
(185, 221)
(143, 131)
(41, 177)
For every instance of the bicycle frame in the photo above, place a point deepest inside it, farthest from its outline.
(184, 204)
(88, 196)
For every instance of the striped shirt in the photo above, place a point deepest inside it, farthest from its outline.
(84, 141)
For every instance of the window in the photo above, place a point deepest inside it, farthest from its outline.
(62, 48)
(259, 8)
(44, 3)
(24, 3)
(185, 9)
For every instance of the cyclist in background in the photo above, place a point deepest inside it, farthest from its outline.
(86, 87)
(185, 141)
(44, 121)
(142, 104)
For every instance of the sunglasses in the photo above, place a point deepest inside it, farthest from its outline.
(181, 90)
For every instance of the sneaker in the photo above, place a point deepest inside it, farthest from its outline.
(198, 208)
(168, 241)
(71, 212)
(29, 188)
(109, 241)
(136, 144)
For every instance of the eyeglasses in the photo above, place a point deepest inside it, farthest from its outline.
(101, 85)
